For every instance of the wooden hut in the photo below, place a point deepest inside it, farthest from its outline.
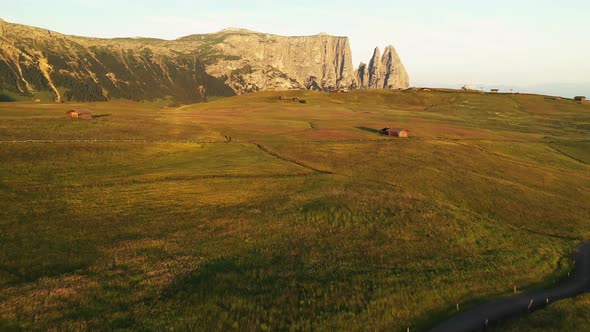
(495, 90)
(399, 132)
(395, 132)
(580, 98)
(72, 113)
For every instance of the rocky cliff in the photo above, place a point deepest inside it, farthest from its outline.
(38, 63)
(383, 72)
(255, 61)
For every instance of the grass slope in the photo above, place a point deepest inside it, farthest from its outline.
(567, 315)
(145, 218)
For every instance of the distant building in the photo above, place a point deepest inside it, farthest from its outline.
(414, 88)
(72, 113)
(395, 132)
(580, 98)
(495, 90)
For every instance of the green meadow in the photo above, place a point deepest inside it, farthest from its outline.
(148, 218)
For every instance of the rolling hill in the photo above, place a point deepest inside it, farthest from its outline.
(150, 218)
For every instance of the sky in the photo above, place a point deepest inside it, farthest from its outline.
(535, 45)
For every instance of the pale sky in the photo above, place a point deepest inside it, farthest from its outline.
(512, 43)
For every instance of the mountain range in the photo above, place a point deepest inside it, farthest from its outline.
(38, 63)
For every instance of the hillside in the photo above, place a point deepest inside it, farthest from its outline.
(37, 63)
(40, 64)
(150, 219)
(568, 315)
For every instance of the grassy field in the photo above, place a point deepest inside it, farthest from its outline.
(146, 218)
(568, 315)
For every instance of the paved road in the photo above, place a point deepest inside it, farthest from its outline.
(475, 319)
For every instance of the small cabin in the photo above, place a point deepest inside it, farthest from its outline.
(72, 113)
(580, 98)
(495, 90)
(395, 132)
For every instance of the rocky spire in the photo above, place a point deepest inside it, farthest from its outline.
(383, 72)
(395, 74)
(375, 71)
(362, 77)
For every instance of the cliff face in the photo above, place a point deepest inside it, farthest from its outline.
(383, 72)
(255, 61)
(39, 63)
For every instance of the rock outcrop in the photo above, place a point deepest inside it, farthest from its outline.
(383, 72)
(362, 77)
(36, 62)
(255, 61)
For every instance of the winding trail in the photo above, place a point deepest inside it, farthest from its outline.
(293, 161)
(479, 317)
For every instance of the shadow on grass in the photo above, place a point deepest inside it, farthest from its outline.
(6, 98)
(100, 116)
(281, 287)
(371, 130)
(235, 275)
(9, 325)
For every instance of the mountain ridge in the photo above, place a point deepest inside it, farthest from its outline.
(188, 69)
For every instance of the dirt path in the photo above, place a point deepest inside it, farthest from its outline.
(567, 155)
(293, 161)
(486, 314)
